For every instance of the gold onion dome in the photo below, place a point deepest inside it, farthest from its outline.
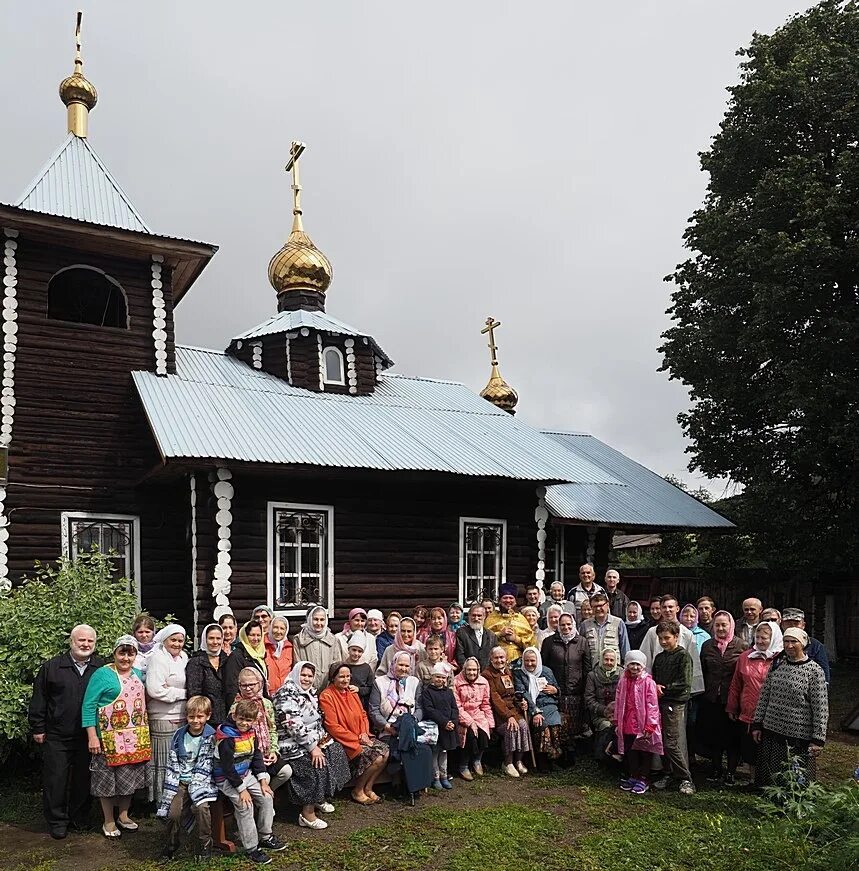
(77, 88)
(77, 92)
(299, 265)
(499, 392)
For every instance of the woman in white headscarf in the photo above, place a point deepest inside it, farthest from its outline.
(537, 685)
(315, 643)
(753, 666)
(320, 767)
(792, 713)
(165, 694)
(278, 653)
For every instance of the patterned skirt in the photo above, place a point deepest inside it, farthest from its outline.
(309, 785)
(548, 740)
(773, 753)
(107, 781)
(572, 718)
(517, 741)
(161, 733)
(367, 757)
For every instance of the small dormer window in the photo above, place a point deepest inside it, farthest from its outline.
(86, 295)
(332, 363)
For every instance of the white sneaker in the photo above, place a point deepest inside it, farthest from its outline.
(316, 824)
(510, 770)
(687, 787)
(520, 767)
(326, 807)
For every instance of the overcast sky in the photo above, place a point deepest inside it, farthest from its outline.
(532, 161)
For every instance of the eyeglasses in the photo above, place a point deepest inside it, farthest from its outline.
(248, 686)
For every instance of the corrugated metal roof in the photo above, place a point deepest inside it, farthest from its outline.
(75, 183)
(218, 407)
(288, 321)
(647, 499)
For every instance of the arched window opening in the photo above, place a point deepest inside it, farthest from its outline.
(332, 361)
(85, 295)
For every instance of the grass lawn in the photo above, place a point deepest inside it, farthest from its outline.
(577, 821)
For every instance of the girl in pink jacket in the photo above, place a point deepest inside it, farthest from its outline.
(475, 717)
(638, 725)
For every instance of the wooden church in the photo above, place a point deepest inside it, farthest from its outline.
(291, 467)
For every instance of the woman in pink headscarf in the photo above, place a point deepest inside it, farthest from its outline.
(436, 625)
(718, 734)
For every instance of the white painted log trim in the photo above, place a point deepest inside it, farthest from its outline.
(541, 516)
(223, 491)
(257, 355)
(159, 316)
(289, 358)
(592, 544)
(192, 480)
(321, 361)
(7, 398)
(351, 371)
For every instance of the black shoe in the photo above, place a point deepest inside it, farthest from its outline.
(59, 833)
(167, 855)
(258, 857)
(204, 854)
(272, 843)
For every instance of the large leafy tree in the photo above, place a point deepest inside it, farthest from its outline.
(766, 309)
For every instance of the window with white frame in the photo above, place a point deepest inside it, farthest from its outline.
(333, 369)
(482, 557)
(117, 536)
(301, 556)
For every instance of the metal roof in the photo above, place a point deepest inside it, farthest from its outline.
(646, 500)
(289, 321)
(75, 183)
(217, 407)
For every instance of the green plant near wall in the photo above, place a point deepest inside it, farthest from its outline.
(35, 620)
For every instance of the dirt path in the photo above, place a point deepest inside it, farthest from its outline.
(29, 847)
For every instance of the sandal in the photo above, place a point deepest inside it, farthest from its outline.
(364, 801)
(129, 826)
(111, 834)
(375, 798)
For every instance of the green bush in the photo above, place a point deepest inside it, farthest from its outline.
(35, 619)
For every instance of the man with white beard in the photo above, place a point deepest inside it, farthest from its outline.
(55, 720)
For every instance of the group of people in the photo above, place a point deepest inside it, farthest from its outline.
(254, 710)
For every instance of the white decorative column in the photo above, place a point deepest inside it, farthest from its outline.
(541, 516)
(256, 351)
(159, 319)
(592, 544)
(7, 398)
(351, 372)
(379, 367)
(289, 338)
(223, 491)
(321, 361)
(192, 479)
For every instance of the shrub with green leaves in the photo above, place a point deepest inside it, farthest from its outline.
(35, 620)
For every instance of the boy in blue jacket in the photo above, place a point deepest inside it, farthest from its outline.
(188, 787)
(240, 773)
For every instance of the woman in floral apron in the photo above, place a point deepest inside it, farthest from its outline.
(114, 716)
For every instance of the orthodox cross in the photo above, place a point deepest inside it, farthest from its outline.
(78, 59)
(491, 326)
(295, 151)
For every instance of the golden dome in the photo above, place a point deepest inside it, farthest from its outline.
(76, 88)
(299, 265)
(499, 392)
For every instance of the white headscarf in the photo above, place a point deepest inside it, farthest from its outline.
(277, 645)
(574, 633)
(359, 638)
(295, 675)
(308, 622)
(533, 676)
(635, 656)
(776, 644)
(170, 629)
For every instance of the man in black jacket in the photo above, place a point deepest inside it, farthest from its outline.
(473, 639)
(55, 720)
